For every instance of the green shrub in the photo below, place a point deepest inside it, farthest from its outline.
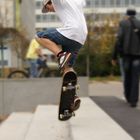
(100, 65)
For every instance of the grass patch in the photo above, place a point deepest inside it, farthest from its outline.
(106, 78)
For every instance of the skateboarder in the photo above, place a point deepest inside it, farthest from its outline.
(71, 36)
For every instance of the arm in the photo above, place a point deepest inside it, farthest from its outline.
(38, 51)
(118, 50)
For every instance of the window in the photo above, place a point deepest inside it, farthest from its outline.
(52, 18)
(5, 56)
(44, 18)
(96, 3)
(3, 63)
(126, 2)
(118, 3)
(137, 2)
(133, 2)
(38, 18)
(38, 4)
(103, 3)
(112, 3)
(88, 3)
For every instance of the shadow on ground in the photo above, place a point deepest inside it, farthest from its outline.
(128, 118)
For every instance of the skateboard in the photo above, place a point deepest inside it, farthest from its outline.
(68, 91)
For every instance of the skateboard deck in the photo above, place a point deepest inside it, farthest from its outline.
(68, 91)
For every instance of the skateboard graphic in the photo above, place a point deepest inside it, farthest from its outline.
(68, 92)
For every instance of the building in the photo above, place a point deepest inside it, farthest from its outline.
(99, 8)
(33, 20)
(27, 17)
(7, 13)
(7, 20)
(103, 8)
(48, 20)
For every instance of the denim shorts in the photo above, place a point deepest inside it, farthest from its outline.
(67, 45)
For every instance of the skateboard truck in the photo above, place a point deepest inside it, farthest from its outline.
(70, 87)
(67, 114)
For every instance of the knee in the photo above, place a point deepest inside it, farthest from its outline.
(37, 38)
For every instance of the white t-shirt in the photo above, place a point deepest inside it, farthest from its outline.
(71, 14)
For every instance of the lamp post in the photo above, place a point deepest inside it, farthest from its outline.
(90, 27)
(2, 58)
(88, 56)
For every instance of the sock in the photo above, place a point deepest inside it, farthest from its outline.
(59, 53)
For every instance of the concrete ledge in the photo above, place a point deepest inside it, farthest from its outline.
(92, 123)
(15, 127)
(26, 94)
(45, 125)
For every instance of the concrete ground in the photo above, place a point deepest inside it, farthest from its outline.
(90, 123)
(105, 115)
(109, 97)
(108, 88)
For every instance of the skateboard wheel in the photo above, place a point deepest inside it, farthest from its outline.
(61, 116)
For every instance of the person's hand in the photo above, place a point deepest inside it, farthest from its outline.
(113, 62)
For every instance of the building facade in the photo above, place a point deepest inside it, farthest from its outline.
(33, 20)
(103, 8)
(48, 20)
(7, 13)
(27, 15)
(99, 8)
(112, 3)
(7, 20)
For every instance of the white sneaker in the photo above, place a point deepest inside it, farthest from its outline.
(63, 59)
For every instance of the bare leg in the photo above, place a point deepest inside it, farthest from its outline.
(53, 47)
(49, 45)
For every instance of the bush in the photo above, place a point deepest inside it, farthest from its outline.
(81, 65)
(100, 65)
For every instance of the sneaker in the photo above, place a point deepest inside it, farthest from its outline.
(63, 59)
(77, 102)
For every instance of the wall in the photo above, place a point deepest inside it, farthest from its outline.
(25, 95)
(28, 17)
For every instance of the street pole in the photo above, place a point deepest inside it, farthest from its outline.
(2, 58)
(88, 44)
(88, 55)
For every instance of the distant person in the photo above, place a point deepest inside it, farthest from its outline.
(71, 36)
(33, 52)
(42, 61)
(127, 46)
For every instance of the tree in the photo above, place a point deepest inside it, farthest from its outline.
(99, 44)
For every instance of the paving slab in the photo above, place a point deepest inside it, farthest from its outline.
(92, 123)
(121, 112)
